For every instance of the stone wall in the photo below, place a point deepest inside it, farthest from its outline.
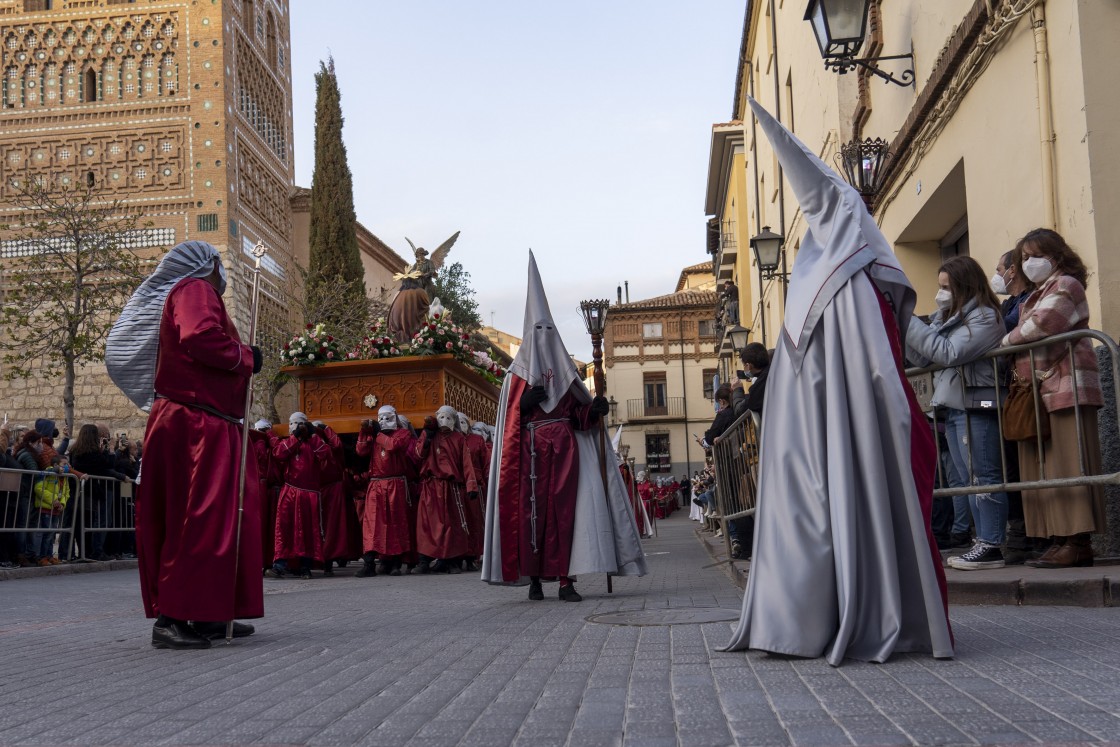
(96, 400)
(1108, 542)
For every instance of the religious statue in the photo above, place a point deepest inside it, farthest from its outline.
(410, 307)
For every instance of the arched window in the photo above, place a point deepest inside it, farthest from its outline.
(89, 86)
(247, 14)
(273, 41)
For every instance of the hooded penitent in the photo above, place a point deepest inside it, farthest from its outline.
(568, 489)
(133, 343)
(847, 458)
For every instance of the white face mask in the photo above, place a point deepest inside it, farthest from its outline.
(1037, 269)
(447, 418)
(387, 419)
(999, 285)
(943, 298)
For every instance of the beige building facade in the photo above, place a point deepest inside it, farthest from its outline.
(1012, 123)
(660, 368)
(182, 107)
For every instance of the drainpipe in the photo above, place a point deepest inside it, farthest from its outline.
(684, 398)
(757, 204)
(1045, 115)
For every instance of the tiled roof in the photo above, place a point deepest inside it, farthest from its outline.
(732, 123)
(684, 298)
(702, 267)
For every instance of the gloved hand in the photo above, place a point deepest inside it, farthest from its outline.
(370, 428)
(600, 406)
(431, 427)
(532, 397)
(472, 495)
(302, 430)
(258, 359)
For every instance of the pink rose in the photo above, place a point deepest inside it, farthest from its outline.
(330, 355)
(449, 346)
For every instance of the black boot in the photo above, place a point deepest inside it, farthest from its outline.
(536, 593)
(368, 569)
(176, 634)
(569, 594)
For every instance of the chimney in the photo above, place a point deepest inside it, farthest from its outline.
(620, 294)
(627, 291)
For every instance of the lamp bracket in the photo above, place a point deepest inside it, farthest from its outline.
(844, 64)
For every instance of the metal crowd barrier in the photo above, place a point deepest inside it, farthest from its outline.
(735, 458)
(1000, 359)
(21, 519)
(108, 507)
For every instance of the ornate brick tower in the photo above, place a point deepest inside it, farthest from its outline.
(184, 107)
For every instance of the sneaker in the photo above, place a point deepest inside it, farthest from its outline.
(736, 549)
(698, 502)
(982, 555)
(960, 540)
(275, 571)
(569, 594)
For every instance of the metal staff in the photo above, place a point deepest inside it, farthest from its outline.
(258, 254)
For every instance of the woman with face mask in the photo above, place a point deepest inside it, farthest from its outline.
(966, 325)
(1067, 515)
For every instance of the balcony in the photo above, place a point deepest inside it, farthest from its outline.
(639, 409)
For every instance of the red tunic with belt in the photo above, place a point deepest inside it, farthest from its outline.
(476, 521)
(336, 506)
(538, 517)
(299, 528)
(261, 444)
(446, 476)
(389, 514)
(186, 512)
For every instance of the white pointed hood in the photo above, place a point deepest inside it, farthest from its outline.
(842, 239)
(543, 359)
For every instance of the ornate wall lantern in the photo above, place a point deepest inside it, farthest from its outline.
(767, 247)
(862, 162)
(840, 27)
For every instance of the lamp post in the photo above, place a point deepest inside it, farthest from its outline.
(769, 252)
(614, 410)
(738, 335)
(840, 27)
(595, 318)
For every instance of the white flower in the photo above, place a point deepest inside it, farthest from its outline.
(310, 356)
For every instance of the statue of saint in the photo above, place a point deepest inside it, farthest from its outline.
(410, 307)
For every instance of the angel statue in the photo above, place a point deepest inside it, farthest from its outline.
(410, 307)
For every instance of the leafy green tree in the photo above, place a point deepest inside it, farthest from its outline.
(72, 279)
(333, 238)
(453, 289)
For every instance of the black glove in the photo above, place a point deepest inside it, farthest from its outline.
(258, 359)
(370, 428)
(302, 431)
(600, 406)
(532, 397)
(472, 495)
(431, 427)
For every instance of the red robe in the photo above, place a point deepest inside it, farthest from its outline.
(336, 506)
(260, 444)
(186, 508)
(299, 527)
(389, 514)
(446, 476)
(476, 521)
(557, 471)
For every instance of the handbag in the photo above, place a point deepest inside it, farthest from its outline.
(1019, 422)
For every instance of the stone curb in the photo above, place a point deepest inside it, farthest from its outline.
(67, 569)
(1088, 587)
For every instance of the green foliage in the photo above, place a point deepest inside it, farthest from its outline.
(71, 283)
(333, 238)
(453, 289)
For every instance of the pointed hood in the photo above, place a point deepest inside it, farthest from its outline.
(543, 359)
(842, 240)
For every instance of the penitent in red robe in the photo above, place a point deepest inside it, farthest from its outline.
(547, 551)
(446, 476)
(186, 509)
(476, 447)
(389, 514)
(260, 445)
(299, 519)
(336, 506)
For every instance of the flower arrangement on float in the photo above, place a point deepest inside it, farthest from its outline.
(311, 347)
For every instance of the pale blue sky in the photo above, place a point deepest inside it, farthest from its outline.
(579, 129)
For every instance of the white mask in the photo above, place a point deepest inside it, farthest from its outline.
(387, 418)
(464, 424)
(447, 418)
(999, 285)
(1037, 269)
(943, 298)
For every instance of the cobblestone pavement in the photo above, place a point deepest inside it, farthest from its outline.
(446, 660)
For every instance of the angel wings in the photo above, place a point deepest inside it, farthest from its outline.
(438, 256)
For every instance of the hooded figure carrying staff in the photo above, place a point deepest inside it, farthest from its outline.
(175, 350)
(551, 512)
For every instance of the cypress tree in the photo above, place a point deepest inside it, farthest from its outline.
(334, 242)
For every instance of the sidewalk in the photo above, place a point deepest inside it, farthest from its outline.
(1098, 586)
(435, 661)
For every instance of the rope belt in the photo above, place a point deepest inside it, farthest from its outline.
(407, 494)
(204, 408)
(533, 476)
(322, 528)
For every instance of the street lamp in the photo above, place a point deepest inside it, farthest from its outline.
(595, 319)
(614, 410)
(738, 335)
(840, 27)
(767, 248)
(863, 162)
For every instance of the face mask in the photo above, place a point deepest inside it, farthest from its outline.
(447, 418)
(1037, 269)
(999, 285)
(387, 420)
(943, 298)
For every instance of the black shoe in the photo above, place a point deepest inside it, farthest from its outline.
(1015, 556)
(216, 630)
(305, 573)
(177, 635)
(981, 556)
(396, 571)
(960, 540)
(420, 569)
(569, 594)
(736, 550)
(536, 593)
(276, 572)
(472, 566)
(368, 570)
(440, 566)
(328, 571)
(698, 502)
(454, 569)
